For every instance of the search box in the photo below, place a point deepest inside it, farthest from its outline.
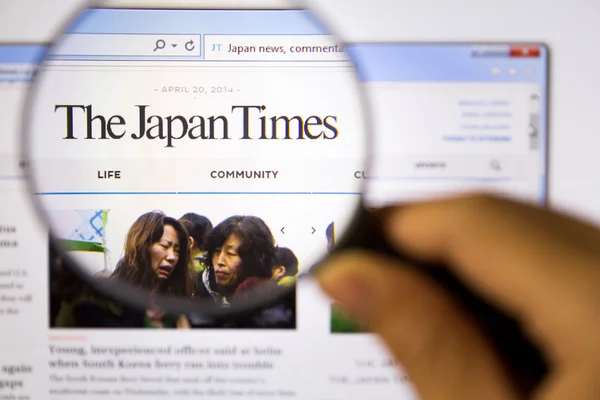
(456, 166)
(272, 48)
(120, 45)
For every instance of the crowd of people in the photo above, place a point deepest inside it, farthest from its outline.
(226, 265)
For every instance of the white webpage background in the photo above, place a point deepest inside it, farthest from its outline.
(569, 29)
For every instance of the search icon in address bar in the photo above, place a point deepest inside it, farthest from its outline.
(123, 45)
(160, 44)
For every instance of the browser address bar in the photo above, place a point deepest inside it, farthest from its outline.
(126, 45)
(216, 47)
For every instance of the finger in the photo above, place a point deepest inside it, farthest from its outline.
(542, 267)
(438, 347)
(568, 224)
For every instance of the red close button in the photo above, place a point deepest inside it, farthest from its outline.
(524, 51)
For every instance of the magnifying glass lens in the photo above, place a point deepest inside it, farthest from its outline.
(204, 182)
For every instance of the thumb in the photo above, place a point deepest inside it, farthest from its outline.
(442, 352)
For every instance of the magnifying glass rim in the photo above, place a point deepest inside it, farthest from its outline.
(129, 295)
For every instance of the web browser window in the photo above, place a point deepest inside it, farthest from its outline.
(441, 122)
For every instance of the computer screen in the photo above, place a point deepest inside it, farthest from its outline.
(444, 118)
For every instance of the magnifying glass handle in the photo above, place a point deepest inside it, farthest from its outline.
(523, 359)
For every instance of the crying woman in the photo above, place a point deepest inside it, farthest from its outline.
(156, 260)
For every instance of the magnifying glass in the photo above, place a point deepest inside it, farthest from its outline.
(210, 185)
(160, 44)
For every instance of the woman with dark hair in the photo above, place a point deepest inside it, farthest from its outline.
(156, 259)
(156, 255)
(241, 253)
(241, 257)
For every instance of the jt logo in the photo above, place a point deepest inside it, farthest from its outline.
(216, 47)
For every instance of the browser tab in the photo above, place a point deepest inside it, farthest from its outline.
(272, 48)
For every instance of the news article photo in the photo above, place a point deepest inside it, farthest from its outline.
(189, 254)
